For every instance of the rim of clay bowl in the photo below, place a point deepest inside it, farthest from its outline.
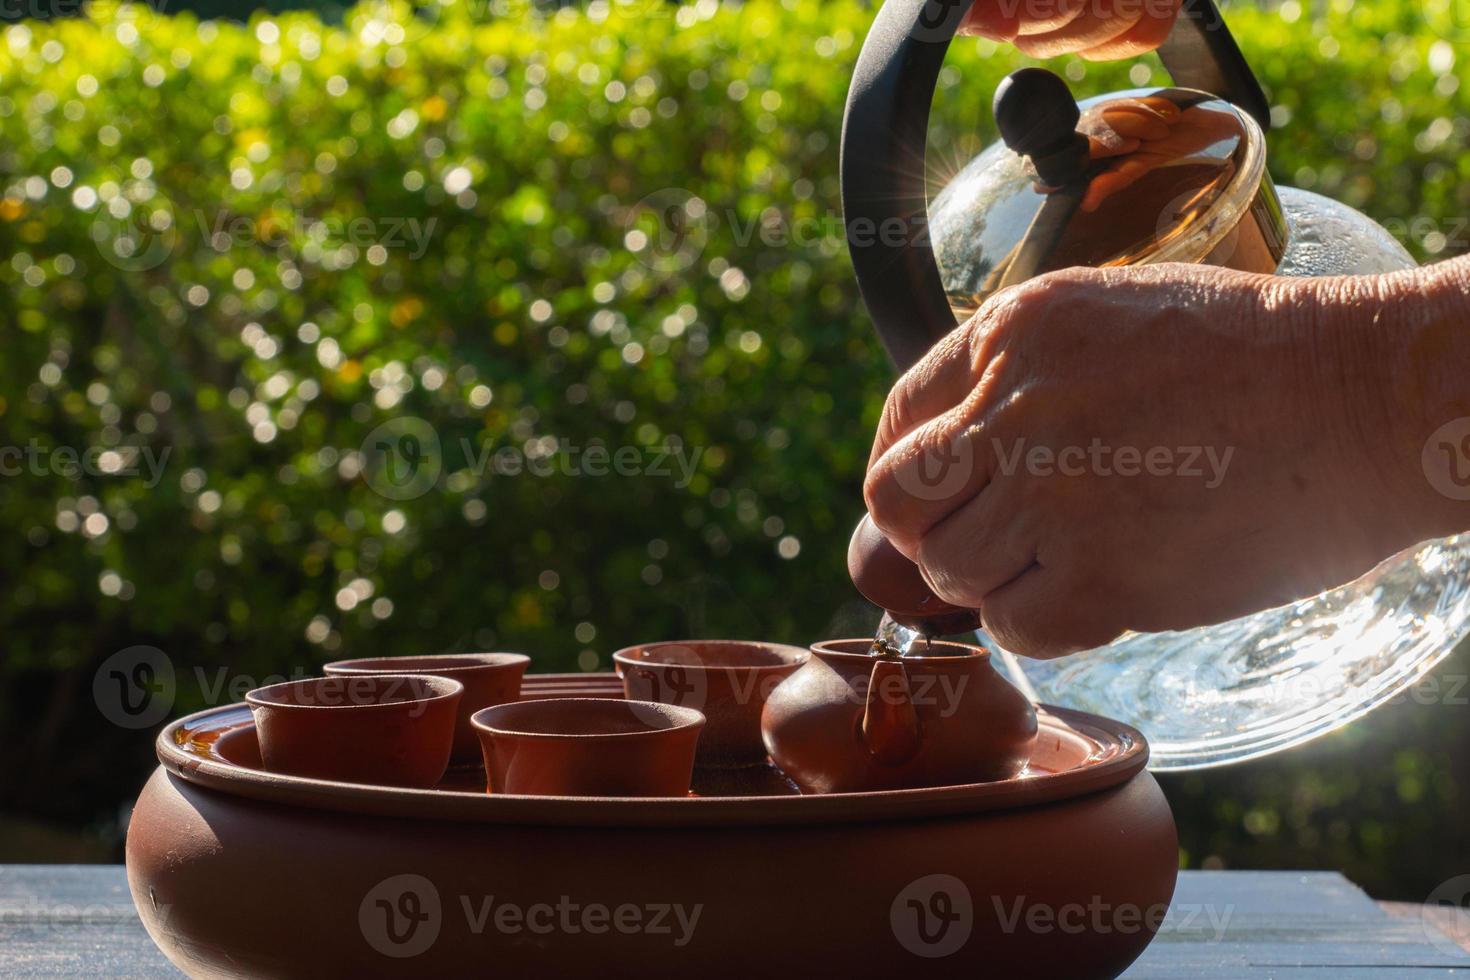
(435, 688)
(1115, 753)
(428, 663)
(632, 656)
(498, 719)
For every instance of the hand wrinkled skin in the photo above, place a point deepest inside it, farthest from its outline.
(1098, 30)
(1147, 448)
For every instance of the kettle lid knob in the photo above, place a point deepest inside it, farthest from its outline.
(1037, 117)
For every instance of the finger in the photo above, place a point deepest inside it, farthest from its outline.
(944, 378)
(999, 21)
(926, 476)
(1043, 16)
(1144, 36)
(1136, 121)
(1116, 178)
(1041, 615)
(1004, 20)
(941, 380)
(1099, 22)
(980, 547)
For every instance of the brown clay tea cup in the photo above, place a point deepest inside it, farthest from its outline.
(488, 678)
(588, 747)
(392, 730)
(728, 680)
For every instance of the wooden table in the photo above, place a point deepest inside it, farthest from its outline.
(78, 921)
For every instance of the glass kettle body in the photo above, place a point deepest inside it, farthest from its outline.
(1209, 696)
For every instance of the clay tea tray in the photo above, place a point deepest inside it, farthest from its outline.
(239, 871)
(218, 748)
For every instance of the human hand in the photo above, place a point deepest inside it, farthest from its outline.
(1098, 30)
(1148, 448)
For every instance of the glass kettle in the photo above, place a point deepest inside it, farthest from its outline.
(1065, 188)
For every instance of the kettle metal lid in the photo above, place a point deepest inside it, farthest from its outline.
(1173, 175)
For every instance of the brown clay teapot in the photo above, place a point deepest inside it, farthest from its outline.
(851, 722)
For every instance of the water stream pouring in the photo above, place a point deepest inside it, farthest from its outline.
(1064, 189)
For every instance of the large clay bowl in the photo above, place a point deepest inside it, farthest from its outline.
(239, 872)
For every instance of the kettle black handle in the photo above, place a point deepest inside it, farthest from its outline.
(885, 126)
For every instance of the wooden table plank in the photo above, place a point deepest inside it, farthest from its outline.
(78, 920)
(72, 920)
(1233, 925)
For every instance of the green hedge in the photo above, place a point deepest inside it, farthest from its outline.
(251, 246)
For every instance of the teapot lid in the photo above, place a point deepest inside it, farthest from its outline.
(1169, 172)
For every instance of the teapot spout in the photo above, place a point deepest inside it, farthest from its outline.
(890, 725)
